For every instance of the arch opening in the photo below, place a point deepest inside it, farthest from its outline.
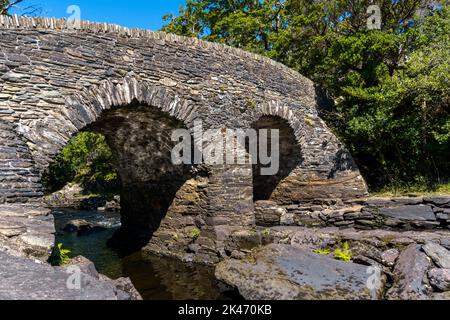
(139, 137)
(290, 156)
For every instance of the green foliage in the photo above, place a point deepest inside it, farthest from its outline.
(325, 252)
(418, 189)
(344, 253)
(195, 233)
(341, 253)
(390, 87)
(87, 160)
(266, 232)
(62, 255)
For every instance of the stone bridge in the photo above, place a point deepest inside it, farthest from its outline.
(135, 87)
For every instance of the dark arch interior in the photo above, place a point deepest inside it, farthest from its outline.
(140, 139)
(290, 156)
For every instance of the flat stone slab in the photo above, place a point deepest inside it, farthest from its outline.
(23, 279)
(409, 213)
(439, 254)
(284, 272)
(438, 200)
(410, 272)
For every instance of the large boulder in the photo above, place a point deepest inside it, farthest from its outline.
(24, 279)
(284, 272)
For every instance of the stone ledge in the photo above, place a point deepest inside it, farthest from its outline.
(367, 213)
(27, 231)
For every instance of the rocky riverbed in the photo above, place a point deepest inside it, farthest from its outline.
(73, 196)
(392, 265)
(404, 254)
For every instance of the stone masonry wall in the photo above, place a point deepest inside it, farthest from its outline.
(395, 213)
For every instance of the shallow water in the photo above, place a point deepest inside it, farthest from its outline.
(154, 277)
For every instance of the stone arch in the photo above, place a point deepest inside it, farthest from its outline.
(298, 120)
(276, 108)
(325, 171)
(288, 158)
(279, 116)
(48, 135)
(137, 121)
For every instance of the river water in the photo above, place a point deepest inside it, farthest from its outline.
(154, 277)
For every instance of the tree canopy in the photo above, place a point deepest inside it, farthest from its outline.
(7, 5)
(390, 86)
(86, 160)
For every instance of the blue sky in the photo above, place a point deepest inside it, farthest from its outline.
(146, 14)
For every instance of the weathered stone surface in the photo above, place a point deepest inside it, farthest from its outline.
(286, 272)
(287, 219)
(268, 213)
(27, 231)
(402, 213)
(389, 257)
(439, 254)
(379, 201)
(419, 213)
(124, 285)
(438, 200)
(381, 239)
(408, 200)
(442, 296)
(410, 275)
(440, 278)
(23, 279)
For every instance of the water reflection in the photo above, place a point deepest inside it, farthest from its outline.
(154, 277)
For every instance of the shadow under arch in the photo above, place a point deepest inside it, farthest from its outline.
(290, 156)
(140, 139)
